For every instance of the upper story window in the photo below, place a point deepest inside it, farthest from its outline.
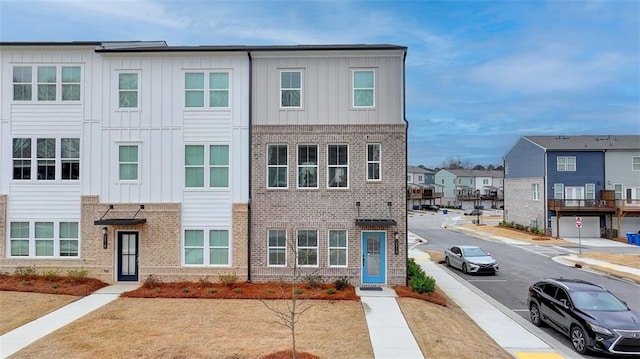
(635, 163)
(337, 166)
(277, 166)
(217, 159)
(128, 162)
(291, 89)
(558, 191)
(374, 160)
(307, 166)
(48, 161)
(128, 90)
(53, 83)
(590, 191)
(217, 88)
(535, 192)
(566, 163)
(363, 88)
(617, 190)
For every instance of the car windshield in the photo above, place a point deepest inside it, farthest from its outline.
(473, 252)
(597, 300)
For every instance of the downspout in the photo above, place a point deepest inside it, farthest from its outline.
(249, 173)
(406, 159)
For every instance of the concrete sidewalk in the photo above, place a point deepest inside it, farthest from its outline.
(20, 337)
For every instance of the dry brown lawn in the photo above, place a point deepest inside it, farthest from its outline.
(25, 307)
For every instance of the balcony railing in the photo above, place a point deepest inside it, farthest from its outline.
(582, 205)
(429, 194)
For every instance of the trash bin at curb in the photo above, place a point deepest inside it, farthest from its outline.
(444, 211)
(632, 238)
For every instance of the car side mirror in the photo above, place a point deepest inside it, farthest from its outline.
(564, 303)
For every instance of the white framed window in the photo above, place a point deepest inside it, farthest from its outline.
(566, 164)
(19, 238)
(207, 247)
(338, 248)
(337, 166)
(277, 247)
(46, 158)
(618, 191)
(307, 166)
(590, 191)
(558, 191)
(217, 158)
(535, 191)
(307, 247)
(128, 158)
(485, 181)
(193, 247)
(219, 251)
(52, 83)
(277, 166)
(46, 83)
(216, 86)
(21, 158)
(128, 90)
(290, 89)
(45, 241)
(48, 161)
(22, 83)
(363, 88)
(374, 162)
(635, 163)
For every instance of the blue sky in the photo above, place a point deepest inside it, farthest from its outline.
(480, 74)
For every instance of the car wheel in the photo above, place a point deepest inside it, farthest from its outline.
(464, 268)
(578, 339)
(534, 314)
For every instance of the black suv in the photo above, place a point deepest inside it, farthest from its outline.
(590, 315)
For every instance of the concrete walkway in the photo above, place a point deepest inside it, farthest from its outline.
(20, 337)
(389, 332)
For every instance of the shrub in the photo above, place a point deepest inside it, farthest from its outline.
(413, 269)
(26, 272)
(314, 281)
(237, 290)
(77, 275)
(211, 290)
(342, 283)
(152, 281)
(298, 291)
(55, 285)
(228, 279)
(423, 284)
(204, 282)
(331, 291)
(52, 275)
(25, 282)
(186, 290)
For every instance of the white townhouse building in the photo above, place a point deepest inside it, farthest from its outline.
(132, 159)
(126, 159)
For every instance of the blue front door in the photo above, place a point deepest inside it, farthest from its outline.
(373, 257)
(128, 256)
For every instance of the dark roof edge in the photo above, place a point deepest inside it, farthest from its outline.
(255, 48)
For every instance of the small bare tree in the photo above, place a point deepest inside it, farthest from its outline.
(296, 306)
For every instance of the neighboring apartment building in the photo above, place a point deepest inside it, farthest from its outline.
(329, 163)
(467, 189)
(131, 159)
(551, 180)
(421, 188)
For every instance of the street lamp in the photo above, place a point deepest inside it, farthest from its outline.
(478, 206)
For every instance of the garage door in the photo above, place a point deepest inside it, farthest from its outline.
(590, 227)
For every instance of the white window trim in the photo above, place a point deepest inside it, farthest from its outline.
(117, 89)
(286, 167)
(301, 72)
(331, 166)
(286, 250)
(559, 189)
(317, 248)
(566, 162)
(206, 107)
(635, 159)
(58, 160)
(535, 191)
(58, 84)
(353, 89)
(590, 194)
(206, 258)
(298, 165)
(379, 162)
(32, 238)
(117, 156)
(346, 248)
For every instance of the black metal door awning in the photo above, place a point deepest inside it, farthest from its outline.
(374, 222)
(120, 221)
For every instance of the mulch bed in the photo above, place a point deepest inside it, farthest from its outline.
(51, 285)
(437, 297)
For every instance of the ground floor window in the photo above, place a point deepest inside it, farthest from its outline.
(214, 250)
(338, 248)
(43, 239)
(277, 247)
(307, 247)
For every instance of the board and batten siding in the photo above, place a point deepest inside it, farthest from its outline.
(326, 97)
